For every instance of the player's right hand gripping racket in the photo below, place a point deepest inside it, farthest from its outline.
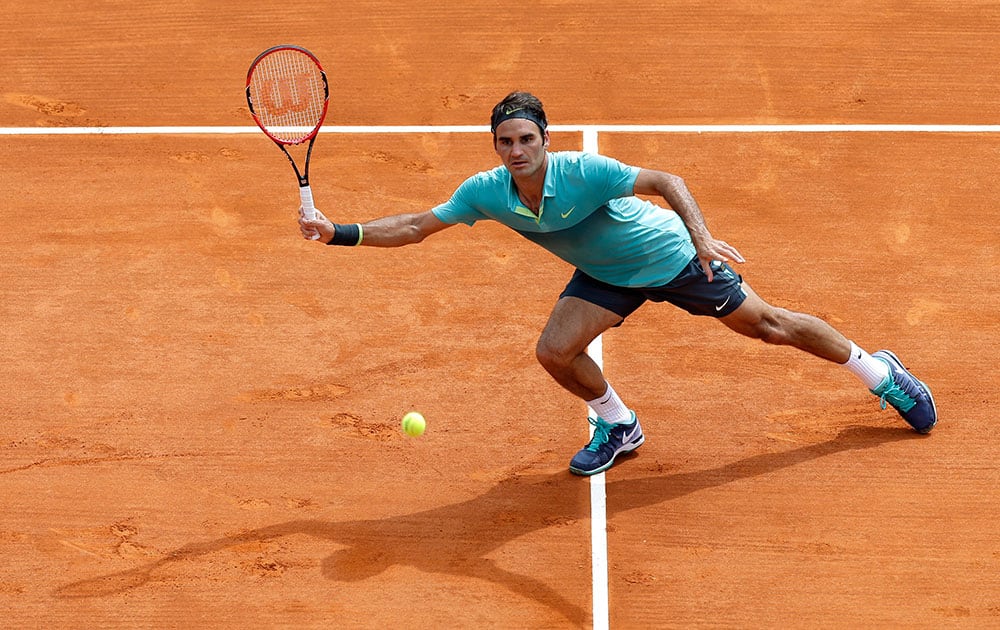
(288, 94)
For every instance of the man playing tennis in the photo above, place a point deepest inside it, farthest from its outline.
(582, 207)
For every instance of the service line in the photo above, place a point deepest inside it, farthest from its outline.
(375, 129)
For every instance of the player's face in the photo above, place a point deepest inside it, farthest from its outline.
(521, 146)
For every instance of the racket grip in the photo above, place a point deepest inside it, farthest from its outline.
(308, 208)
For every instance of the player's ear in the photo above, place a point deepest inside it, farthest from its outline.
(545, 138)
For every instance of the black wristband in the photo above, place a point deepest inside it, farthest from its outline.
(349, 234)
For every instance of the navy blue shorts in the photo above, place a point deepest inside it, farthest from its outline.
(690, 290)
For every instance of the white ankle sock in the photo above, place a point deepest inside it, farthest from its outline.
(870, 370)
(611, 408)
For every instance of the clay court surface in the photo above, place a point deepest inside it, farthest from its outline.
(200, 419)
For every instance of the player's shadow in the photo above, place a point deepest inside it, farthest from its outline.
(457, 539)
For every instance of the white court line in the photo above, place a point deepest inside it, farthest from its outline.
(812, 128)
(598, 494)
(598, 523)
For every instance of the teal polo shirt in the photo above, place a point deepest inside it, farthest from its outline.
(589, 217)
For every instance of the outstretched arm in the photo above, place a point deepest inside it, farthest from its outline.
(673, 189)
(391, 231)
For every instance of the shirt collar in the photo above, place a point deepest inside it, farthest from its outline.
(548, 190)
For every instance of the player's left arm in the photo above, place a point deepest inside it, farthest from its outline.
(675, 192)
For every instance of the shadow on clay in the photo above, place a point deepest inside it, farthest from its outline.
(456, 539)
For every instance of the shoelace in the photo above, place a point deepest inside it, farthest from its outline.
(899, 397)
(602, 432)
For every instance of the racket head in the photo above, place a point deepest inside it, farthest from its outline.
(287, 93)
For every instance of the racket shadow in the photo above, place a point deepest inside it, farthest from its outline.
(457, 539)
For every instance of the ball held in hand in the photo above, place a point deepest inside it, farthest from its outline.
(414, 424)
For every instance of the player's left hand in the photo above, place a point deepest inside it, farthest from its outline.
(714, 249)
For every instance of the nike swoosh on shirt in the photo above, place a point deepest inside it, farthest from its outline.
(567, 213)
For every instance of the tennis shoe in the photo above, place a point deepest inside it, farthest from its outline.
(910, 397)
(608, 442)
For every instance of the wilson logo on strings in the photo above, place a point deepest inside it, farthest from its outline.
(286, 96)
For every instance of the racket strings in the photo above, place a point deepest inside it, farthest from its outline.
(288, 92)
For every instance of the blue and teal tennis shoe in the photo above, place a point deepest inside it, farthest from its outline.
(609, 441)
(910, 397)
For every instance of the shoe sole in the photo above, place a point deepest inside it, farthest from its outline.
(925, 430)
(628, 448)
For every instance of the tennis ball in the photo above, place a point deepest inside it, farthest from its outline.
(414, 424)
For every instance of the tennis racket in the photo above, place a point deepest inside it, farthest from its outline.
(288, 94)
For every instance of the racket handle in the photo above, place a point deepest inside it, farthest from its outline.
(308, 208)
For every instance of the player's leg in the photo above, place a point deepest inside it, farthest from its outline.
(561, 350)
(881, 371)
(586, 308)
(757, 319)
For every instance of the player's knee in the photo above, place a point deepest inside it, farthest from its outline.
(550, 356)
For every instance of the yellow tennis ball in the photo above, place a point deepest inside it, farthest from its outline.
(414, 424)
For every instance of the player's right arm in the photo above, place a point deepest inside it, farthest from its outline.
(391, 231)
(400, 229)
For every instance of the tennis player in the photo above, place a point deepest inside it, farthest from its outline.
(582, 208)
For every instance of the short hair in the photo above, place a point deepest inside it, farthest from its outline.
(519, 105)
